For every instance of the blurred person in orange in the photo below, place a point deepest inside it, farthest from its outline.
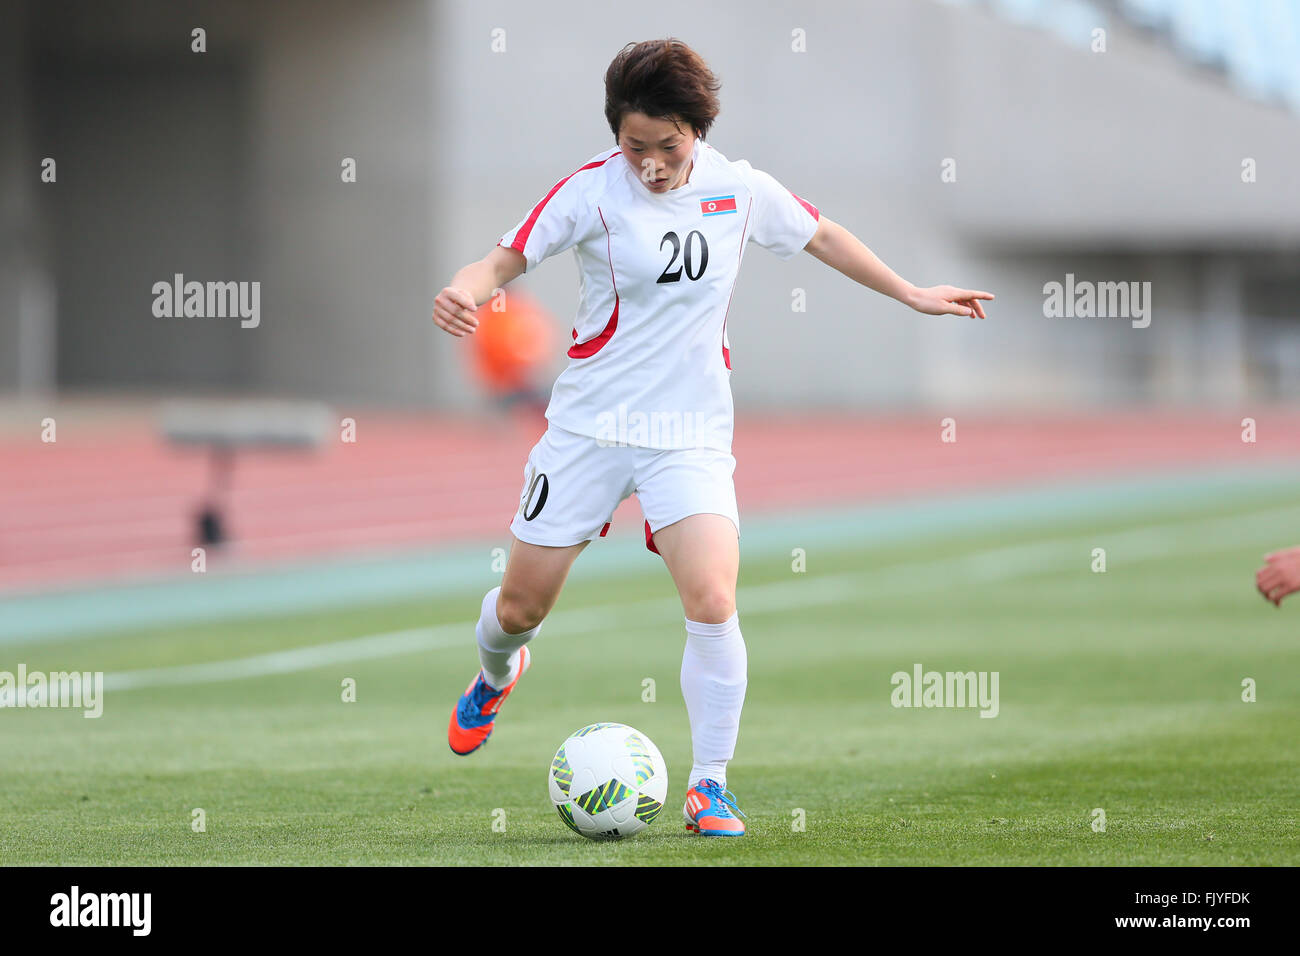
(515, 337)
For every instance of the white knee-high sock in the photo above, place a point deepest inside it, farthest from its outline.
(714, 674)
(498, 652)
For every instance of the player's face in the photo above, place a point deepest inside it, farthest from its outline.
(659, 150)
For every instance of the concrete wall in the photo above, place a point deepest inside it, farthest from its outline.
(27, 304)
(1122, 166)
(225, 165)
(347, 266)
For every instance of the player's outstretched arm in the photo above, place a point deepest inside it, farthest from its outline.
(453, 309)
(1280, 576)
(843, 251)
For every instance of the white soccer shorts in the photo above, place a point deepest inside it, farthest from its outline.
(573, 483)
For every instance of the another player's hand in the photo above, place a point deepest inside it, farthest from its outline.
(453, 311)
(1280, 577)
(948, 300)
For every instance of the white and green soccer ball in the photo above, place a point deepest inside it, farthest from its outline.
(608, 781)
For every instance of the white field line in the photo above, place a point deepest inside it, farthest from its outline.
(1138, 544)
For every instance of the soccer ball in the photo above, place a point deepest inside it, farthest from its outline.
(608, 781)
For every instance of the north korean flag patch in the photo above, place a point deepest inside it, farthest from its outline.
(718, 205)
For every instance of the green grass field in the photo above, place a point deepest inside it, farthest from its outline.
(1119, 691)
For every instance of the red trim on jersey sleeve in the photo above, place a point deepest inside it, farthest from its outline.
(605, 530)
(590, 347)
(812, 210)
(521, 237)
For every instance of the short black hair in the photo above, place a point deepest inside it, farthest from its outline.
(664, 79)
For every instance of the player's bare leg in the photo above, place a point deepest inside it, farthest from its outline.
(703, 556)
(511, 615)
(535, 576)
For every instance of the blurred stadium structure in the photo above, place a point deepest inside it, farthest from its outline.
(225, 165)
(1169, 158)
(1256, 43)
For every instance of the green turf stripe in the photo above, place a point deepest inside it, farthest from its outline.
(888, 583)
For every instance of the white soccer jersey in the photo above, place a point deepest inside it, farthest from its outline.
(650, 364)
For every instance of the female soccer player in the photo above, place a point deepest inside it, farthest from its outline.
(659, 226)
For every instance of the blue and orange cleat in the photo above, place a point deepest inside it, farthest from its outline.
(472, 717)
(708, 810)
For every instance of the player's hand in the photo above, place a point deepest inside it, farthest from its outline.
(453, 311)
(948, 300)
(1280, 576)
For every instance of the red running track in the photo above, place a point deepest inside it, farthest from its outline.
(112, 500)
